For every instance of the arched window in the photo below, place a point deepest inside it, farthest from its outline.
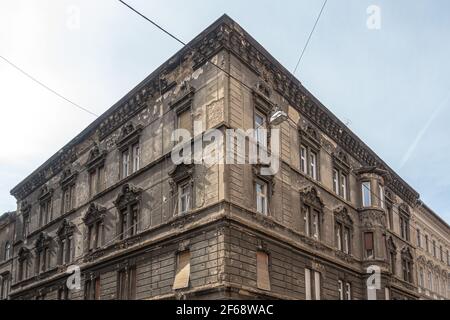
(7, 250)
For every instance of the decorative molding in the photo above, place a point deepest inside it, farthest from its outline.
(180, 173)
(68, 177)
(42, 241)
(310, 196)
(129, 194)
(65, 229)
(45, 193)
(128, 134)
(341, 215)
(96, 158)
(184, 98)
(95, 213)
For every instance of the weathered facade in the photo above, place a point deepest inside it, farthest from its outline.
(7, 231)
(113, 203)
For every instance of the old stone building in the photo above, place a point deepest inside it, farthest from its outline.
(7, 230)
(113, 203)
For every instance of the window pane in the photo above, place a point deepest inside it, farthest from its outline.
(336, 181)
(261, 197)
(344, 186)
(367, 198)
(313, 165)
(303, 159)
(136, 157)
(125, 164)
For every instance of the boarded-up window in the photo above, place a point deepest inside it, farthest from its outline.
(185, 120)
(262, 270)
(368, 244)
(183, 270)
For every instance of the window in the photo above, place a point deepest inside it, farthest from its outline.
(95, 227)
(45, 212)
(381, 196)
(427, 244)
(336, 181)
(68, 198)
(441, 253)
(368, 244)
(366, 194)
(23, 257)
(42, 259)
(340, 181)
(312, 222)
(434, 248)
(26, 225)
(404, 223)
(130, 160)
(5, 285)
(262, 271)
(185, 120)
(419, 240)
(303, 155)
(128, 221)
(128, 205)
(312, 284)
(259, 126)
(430, 280)
(343, 237)
(184, 196)
(390, 216)
(65, 250)
(126, 288)
(7, 255)
(420, 277)
(392, 260)
(309, 162)
(97, 180)
(92, 288)
(341, 289)
(183, 270)
(313, 165)
(407, 265)
(261, 197)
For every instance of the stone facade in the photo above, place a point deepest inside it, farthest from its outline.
(111, 201)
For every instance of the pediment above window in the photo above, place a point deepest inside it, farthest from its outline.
(23, 253)
(45, 193)
(96, 157)
(341, 214)
(311, 135)
(95, 213)
(421, 260)
(406, 253)
(68, 177)
(180, 173)
(43, 241)
(25, 208)
(264, 88)
(129, 134)
(404, 209)
(65, 229)
(310, 196)
(391, 245)
(340, 159)
(129, 194)
(183, 99)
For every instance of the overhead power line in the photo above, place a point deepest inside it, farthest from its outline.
(47, 87)
(310, 35)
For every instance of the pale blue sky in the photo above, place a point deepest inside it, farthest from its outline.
(390, 85)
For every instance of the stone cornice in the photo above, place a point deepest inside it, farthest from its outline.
(223, 34)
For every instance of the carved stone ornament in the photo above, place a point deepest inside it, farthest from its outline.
(310, 196)
(95, 213)
(68, 177)
(23, 253)
(25, 208)
(96, 157)
(65, 229)
(45, 193)
(391, 245)
(341, 214)
(43, 241)
(129, 194)
(340, 158)
(406, 253)
(128, 134)
(179, 173)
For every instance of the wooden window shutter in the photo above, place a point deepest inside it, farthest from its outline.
(184, 120)
(368, 241)
(262, 271)
(183, 270)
